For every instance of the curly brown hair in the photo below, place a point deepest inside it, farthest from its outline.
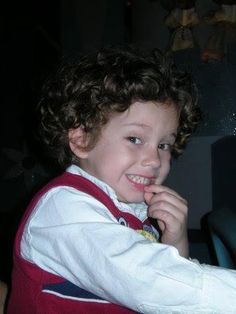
(86, 92)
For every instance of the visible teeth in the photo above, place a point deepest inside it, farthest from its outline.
(138, 179)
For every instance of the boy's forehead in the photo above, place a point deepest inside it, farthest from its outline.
(145, 115)
(137, 112)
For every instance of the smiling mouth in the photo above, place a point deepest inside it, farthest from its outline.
(140, 180)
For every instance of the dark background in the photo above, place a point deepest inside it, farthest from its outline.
(36, 35)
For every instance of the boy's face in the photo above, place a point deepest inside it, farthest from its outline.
(134, 149)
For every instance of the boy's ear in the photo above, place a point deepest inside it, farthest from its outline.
(78, 141)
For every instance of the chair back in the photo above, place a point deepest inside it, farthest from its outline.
(221, 224)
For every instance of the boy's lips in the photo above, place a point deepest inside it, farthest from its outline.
(141, 179)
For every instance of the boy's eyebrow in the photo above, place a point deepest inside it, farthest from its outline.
(142, 125)
(174, 135)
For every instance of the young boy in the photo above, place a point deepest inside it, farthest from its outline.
(86, 244)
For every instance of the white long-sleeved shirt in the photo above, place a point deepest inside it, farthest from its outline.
(71, 234)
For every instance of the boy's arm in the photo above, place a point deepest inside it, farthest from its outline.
(170, 210)
(74, 236)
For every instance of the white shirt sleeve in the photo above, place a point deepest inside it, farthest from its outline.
(73, 235)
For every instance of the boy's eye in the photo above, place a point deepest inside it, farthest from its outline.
(165, 146)
(134, 139)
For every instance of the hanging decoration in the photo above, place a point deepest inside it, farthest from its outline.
(181, 19)
(223, 21)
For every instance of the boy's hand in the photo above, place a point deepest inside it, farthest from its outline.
(170, 210)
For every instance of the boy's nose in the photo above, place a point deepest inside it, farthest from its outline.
(152, 159)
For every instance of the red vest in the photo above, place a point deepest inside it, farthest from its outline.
(37, 291)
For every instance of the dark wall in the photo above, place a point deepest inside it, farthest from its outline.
(30, 47)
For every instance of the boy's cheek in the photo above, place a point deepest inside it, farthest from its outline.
(164, 172)
(161, 178)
